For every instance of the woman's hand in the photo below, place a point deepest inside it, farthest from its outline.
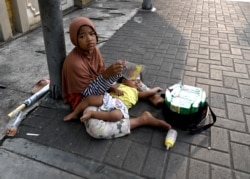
(114, 69)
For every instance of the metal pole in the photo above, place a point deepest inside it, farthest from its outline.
(53, 34)
(147, 5)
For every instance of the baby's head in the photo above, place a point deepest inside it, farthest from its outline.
(133, 83)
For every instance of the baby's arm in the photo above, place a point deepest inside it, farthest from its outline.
(148, 93)
(114, 89)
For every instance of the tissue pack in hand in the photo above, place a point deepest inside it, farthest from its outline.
(132, 70)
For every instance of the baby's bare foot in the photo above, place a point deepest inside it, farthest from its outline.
(148, 119)
(86, 115)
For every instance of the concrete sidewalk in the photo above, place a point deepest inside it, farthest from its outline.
(202, 43)
(23, 60)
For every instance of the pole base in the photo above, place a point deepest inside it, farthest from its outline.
(147, 7)
(153, 9)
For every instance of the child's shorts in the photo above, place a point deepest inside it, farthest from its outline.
(106, 130)
(110, 103)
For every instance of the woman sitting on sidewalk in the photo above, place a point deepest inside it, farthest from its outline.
(84, 75)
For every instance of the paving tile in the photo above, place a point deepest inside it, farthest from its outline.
(135, 158)
(218, 135)
(177, 166)
(240, 68)
(231, 92)
(210, 82)
(220, 172)
(215, 74)
(198, 169)
(203, 67)
(117, 153)
(235, 112)
(241, 157)
(241, 175)
(224, 46)
(210, 156)
(217, 100)
(242, 138)
(244, 90)
(201, 140)
(230, 82)
(230, 124)
(227, 61)
(248, 122)
(158, 157)
(237, 100)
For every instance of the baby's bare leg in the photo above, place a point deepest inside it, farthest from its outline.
(146, 119)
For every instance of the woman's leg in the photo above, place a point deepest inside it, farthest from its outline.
(88, 101)
(98, 87)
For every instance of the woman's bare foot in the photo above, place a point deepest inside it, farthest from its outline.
(70, 117)
(146, 118)
(156, 99)
(86, 115)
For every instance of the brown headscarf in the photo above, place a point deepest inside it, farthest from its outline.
(80, 67)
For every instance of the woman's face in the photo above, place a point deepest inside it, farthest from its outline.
(86, 38)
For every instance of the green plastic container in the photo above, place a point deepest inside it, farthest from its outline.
(184, 99)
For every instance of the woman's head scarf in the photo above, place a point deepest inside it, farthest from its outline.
(75, 26)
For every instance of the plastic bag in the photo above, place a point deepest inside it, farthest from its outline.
(132, 70)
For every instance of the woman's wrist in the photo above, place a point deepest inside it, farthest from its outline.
(105, 75)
